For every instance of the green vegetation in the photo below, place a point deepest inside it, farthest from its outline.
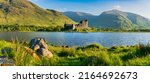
(110, 30)
(91, 55)
(27, 28)
(17, 27)
(24, 12)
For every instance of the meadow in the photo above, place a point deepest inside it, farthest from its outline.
(91, 55)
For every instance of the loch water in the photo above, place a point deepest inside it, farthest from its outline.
(107, 39)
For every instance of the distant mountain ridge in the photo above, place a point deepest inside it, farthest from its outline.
(112, 19)
(24, 12)
(78, 16)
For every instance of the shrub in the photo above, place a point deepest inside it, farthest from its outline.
(143, 50)
(129, 55)
(67, 52)
(7, 51)
(6, 47)
(92, 47)
(97, 46)
(100, 59)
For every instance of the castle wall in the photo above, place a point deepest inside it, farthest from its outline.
(83, 25)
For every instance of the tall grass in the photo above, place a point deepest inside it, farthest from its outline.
(21, 55)
(140, 51)
(143, 50)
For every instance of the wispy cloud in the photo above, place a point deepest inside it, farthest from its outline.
(118, 7)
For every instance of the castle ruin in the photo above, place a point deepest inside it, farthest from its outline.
(82, 25)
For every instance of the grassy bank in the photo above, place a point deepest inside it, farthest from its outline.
(91, 55)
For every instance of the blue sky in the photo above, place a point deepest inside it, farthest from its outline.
(96, 7)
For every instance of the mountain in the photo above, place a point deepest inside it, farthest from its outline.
(119, 19)
(112, 19)
(78, 16)
(24, 12)
(138, 20)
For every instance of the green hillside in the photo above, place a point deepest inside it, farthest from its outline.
(113, 19)
(23, 12)
(138, 20)
(119, 19)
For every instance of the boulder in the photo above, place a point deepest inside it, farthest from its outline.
(36, 47)
(38, 42)
(5, 61)
(40, 46)
(5, 57)
(45, 52)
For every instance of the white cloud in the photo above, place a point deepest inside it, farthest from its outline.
(118, 7)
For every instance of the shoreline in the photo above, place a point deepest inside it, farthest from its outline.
(77, 32)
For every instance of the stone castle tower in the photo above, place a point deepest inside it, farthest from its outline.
(83, 25)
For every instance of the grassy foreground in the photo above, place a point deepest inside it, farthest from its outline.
(91, 55)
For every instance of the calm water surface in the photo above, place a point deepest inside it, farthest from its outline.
(81, 39)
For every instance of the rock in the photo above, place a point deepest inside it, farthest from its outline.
(45, 52)
(5, 58)
(40, 46)
(38, 42)
(36, 47)
(4, 61)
